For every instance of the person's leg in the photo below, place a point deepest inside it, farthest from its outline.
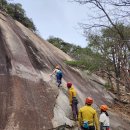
(73, 110)
(59, 78)
(76, 111)
(91, 127)
(59, 81)
(108, 128)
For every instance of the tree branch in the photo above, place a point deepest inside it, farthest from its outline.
(89, 26)
(99, 5)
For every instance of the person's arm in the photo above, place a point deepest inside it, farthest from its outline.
(54, 71)
(79, 118)
(96, 121)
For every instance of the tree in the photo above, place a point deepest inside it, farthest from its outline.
(106, 17)
(109, 17)
(64, 46)
(18, 13)
(85, 58)
(3, 4)
(114, 55)
(121, 3)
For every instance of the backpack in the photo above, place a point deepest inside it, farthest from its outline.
(59, 73)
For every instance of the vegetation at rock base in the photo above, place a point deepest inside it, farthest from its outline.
(85, 58)
(16, 11)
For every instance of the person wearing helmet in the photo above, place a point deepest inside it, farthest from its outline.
(87, 116)
(57, 71)
(73, 100)
(104, 118)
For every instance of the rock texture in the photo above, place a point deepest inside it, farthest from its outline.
(29, 99)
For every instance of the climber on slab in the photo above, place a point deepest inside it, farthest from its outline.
(104, 118)
(87, 116)
(58, 73)
(73, 100)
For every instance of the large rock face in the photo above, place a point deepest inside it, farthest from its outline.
(28, 98)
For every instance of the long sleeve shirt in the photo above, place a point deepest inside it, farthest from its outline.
(87, 113)
(72, 93)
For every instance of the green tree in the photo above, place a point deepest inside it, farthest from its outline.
(114, 53)
(64, 46)
(18, 13)
(3, 4)
(85, 58)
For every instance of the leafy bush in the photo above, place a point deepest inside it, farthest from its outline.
(84, 65)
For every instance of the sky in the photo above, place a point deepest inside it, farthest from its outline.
(58, 18)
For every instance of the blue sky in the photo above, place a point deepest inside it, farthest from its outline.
(57, 18)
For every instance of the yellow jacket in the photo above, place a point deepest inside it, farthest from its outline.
(87, 113)
(72, 93)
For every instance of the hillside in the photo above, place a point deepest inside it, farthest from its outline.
(29, 100)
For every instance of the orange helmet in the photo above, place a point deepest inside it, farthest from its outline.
(69, 84)
(89, 100)
(104, 107)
